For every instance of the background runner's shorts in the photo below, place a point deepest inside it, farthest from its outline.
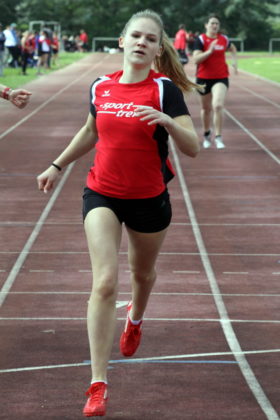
(142, 215)
(209, 83)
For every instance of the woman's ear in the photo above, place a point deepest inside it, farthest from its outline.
(160, 51)
(121, 41)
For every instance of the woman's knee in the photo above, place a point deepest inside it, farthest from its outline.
(105, 286)
(143, 277)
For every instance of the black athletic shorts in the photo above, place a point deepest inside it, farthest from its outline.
(145, 215)
(209, 83)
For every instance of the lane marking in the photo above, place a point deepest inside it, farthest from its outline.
(256, 76)
(51, 98)
(22, 223)
(146, 360)
(214, 254)
(253, 137)
(153, 293)
(235, 272)
(33, 236)
(185, 271)
(264, 98)
(41, 271)
(226, 325)
(259, 321)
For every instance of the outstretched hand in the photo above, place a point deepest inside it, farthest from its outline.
(19, 97)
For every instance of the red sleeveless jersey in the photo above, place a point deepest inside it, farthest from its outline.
(215, 66)
(131, 157)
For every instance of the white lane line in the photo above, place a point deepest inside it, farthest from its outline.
(258, 321)
(185, 271)
(33, 236)
(11, 223)
(214, 254)
(51, 98)
(153, 293)
(256, 76)
(229, 333)
(41, 271)
(235, 272)
(264, 98)
(253, 137)
(146, 359)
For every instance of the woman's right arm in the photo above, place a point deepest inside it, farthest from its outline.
(81, 144)
(200, 56)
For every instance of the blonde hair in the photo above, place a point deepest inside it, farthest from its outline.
(168, 62)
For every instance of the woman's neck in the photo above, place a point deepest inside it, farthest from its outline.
(134, 75)
(212, 34)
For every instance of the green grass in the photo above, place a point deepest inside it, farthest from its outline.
(14, 78)
(262, 64)
(259, 63)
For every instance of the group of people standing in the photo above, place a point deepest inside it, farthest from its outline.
(20, 50)
(132, 112)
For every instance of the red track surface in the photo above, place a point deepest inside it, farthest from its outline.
(215, 307)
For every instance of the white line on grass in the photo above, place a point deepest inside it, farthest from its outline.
(224, 318)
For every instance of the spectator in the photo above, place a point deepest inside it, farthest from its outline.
(27, 50)
(11, 43)
(84, 41)
(2, 50)
(180, 44)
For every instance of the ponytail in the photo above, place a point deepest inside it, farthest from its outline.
(169, 64)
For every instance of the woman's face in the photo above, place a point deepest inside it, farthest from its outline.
(212, 26)
(141, 43)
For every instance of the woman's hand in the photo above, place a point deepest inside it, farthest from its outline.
(47, 179)
(153, 116)
(19, 97)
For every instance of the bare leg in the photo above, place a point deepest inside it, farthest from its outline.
(143, 250)
(206, 111)
(103, 232)
(219, 91)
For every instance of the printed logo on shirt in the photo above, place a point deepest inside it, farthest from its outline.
(106, 93)
(219, 47)
(119, 109)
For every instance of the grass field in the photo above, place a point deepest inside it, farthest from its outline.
(261, 64)
(264, 66)
(14, 78)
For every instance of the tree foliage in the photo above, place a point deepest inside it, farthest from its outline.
(240, 18)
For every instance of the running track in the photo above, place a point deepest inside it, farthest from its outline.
(211, 340)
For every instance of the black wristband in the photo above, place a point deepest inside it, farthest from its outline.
(56, 166)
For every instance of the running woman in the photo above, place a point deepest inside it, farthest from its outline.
(132, 113)
(212, 72)
(18, 97)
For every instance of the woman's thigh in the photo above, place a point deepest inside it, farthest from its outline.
(103, 232)
(219, 91)
(143, 249)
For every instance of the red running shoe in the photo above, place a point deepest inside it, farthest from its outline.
(131, 336)
(97, 398)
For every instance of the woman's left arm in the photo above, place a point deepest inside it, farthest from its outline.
(180, 128)
(233, 51)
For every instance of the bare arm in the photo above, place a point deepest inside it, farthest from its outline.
(18, 97)
(181, 129)
(200, 56)
(81, 144)
(233, 51)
